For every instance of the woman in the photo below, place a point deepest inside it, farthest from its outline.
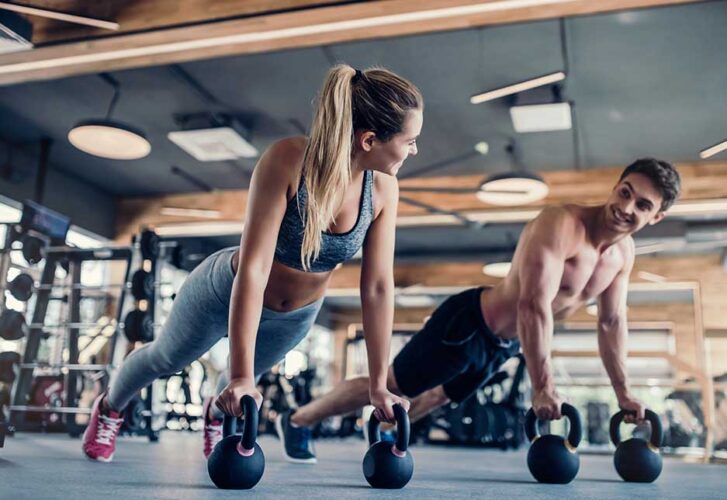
(312, 204)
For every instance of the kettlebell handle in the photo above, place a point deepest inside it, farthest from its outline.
(652, 417)
(249, 429)
(575, 434)
(403, 428)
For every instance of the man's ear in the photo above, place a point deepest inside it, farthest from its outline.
(657, 218)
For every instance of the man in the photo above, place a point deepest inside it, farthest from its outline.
(565, 257)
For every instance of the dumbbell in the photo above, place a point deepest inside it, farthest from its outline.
(32, 249)
(12, 325)
(637, 460)
(142, 285)
(149, 244)
(8, 361)
(21, 287)
(139, 326)
(551, 458)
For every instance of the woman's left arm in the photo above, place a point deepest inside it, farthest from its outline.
(377, 298)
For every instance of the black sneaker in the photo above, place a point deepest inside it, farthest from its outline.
(296, 441)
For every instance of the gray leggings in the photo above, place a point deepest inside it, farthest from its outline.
(199, 318)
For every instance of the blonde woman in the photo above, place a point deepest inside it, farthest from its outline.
(313, 203)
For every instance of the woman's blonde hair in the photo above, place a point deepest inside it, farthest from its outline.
(350, 100)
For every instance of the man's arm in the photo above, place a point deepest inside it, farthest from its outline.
(547, 244)
(613, 333)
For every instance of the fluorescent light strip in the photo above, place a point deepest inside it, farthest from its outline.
(201, 229)
(60, 16)
(191, 212)
(315, 29)
(517, 87)
(713, 150)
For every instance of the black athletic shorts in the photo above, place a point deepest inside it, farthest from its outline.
(455, 348)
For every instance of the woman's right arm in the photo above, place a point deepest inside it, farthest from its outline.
(266, 204)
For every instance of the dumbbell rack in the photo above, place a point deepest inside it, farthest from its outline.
(71, 369)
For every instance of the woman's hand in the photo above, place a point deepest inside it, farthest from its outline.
(229, 399)
(383, 401)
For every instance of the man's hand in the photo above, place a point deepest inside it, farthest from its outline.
(383, 401)
(634, 407)
(546, 404)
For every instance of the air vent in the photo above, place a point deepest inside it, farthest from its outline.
(213, 144)
(541, 117)
(15, 33)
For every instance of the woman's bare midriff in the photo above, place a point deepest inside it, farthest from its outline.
(289, 289)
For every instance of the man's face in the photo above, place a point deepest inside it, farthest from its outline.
(634, 203)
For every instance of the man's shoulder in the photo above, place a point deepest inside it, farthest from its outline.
(560, 217)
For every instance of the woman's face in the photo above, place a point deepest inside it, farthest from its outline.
(388, 157)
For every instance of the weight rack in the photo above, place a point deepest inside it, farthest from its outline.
(71, 369)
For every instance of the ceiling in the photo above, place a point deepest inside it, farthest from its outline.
(645, 82)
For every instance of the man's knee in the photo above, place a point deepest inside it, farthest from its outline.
(391, 382)
(438, 397)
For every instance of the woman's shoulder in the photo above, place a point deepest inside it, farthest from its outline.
(287, 153)
(385, 191)
(283, 159)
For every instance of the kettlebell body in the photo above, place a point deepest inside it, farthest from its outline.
(238, 462)
(637, 460)
(553, 459)
(230, 470)
(388, 465)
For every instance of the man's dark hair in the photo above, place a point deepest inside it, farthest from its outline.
(662, 174)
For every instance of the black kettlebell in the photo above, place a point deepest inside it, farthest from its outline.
(238, 462)
(553, 459)
(637, 460)
(388, 465)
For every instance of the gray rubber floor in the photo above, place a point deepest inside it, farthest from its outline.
(52, 466)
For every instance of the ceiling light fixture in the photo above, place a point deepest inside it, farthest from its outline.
(512, 188)
(519, 187)
(713, 150)
(107, 138)
(482, 147)
(518, 87)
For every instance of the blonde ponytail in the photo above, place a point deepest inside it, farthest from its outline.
(375, 100)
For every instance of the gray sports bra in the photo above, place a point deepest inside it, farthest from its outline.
(335, 248)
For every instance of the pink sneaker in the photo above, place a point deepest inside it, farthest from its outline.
(212, 433)
(99, 440)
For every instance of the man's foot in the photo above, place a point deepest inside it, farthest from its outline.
(296, 441)
(212, 432)
(99, 439)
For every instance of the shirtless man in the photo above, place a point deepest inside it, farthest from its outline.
(565, 257)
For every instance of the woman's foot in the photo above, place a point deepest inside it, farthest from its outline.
(99, 440)
(212, 432)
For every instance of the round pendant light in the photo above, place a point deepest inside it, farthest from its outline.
(109, 139)
(512, 188)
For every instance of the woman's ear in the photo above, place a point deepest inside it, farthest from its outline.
(365, 140)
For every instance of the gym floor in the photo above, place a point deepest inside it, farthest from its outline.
(50, 467)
